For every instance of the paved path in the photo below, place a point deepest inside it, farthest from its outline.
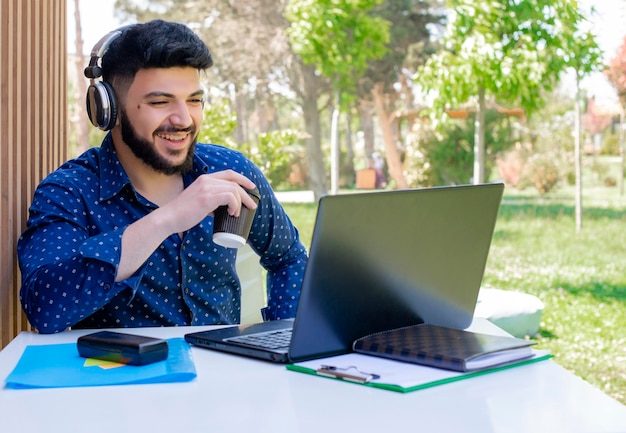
(295, 196)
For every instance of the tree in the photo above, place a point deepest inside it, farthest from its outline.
(616, 74)
(509, 50)
(386, 83)
(254, 63)
(275, 153)
(338, 37)
(583, 57)
(246, 39)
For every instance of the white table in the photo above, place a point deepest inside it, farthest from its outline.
(235, 394)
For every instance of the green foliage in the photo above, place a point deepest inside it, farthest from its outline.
(578, 276)
(521, 168)
(219, 124)
(410, 42)
(598, 170)
(541, 172)
(338, 37)
(610, 144)
(275, 153)
(444, 156)
(509, 51)
(513, 49)
(449, 156)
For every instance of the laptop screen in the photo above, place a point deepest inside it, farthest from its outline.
(388, 259)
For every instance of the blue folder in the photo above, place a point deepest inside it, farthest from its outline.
(60, 366)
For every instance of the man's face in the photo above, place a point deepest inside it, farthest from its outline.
(161, 115)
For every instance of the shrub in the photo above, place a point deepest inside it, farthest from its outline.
(276, 152)
(444, 155)
(511, 164)
(541, 172)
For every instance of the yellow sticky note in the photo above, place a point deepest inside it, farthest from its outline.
(105, 365)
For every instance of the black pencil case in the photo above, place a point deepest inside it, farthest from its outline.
(123, 348)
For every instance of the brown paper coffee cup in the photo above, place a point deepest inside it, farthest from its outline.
(232, 232)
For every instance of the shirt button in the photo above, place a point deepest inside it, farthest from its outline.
(186, 290)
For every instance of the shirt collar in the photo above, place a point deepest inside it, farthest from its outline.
(113, 177)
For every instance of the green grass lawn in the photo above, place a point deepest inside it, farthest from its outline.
(580, 277)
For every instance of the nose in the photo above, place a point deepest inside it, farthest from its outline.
(181, 114)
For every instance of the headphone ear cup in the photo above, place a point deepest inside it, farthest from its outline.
(112, 105)
(101, 105)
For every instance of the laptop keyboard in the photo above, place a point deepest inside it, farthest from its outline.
(268, 340)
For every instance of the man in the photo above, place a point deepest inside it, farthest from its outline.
(122, 235)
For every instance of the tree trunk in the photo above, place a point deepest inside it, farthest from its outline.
(479, 139)
(240, 133)
(349, 162)
(621, 153)
(578, 160)
(334, 147)
(315, 158)
(391, 150)
(367, 126)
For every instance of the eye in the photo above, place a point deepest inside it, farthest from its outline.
(158, 102)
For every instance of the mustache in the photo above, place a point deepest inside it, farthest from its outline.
(173, 129)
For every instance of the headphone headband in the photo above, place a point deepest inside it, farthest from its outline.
(93, 71)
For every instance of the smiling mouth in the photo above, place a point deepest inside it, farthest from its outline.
(173, 136)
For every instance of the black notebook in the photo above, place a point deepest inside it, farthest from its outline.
(443, 347)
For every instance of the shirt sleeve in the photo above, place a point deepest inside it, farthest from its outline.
(277, 241)
(66, 273)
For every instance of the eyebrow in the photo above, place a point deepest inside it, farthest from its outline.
(158, 93)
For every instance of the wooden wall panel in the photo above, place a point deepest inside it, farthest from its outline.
(33, 128)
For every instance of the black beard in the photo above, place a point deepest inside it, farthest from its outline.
(144, 150)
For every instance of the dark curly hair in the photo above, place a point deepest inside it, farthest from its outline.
(154, 44)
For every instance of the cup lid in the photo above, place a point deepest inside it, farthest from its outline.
(228, 240)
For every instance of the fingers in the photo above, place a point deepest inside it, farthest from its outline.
(225, 188)
(233, 199)
(240, 196)
(205, 195)
(230, 189)
(233, 176)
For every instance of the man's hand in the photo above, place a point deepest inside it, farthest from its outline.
(205, 195)
(201, 198)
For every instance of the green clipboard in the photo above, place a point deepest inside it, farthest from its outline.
(396, 376)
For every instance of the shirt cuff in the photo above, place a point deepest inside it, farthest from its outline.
(106, 247)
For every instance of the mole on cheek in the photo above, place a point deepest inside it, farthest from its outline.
(138, 106)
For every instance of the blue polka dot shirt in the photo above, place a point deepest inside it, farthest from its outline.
(71, 247)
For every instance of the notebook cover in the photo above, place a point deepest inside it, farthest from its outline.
(443, 347)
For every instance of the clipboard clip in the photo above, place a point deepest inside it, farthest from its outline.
(350, 373)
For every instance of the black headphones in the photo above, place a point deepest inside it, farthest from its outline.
(101, 103)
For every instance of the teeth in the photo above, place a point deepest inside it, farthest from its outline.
(173, 137)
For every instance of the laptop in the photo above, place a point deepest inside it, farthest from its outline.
(378, 260)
